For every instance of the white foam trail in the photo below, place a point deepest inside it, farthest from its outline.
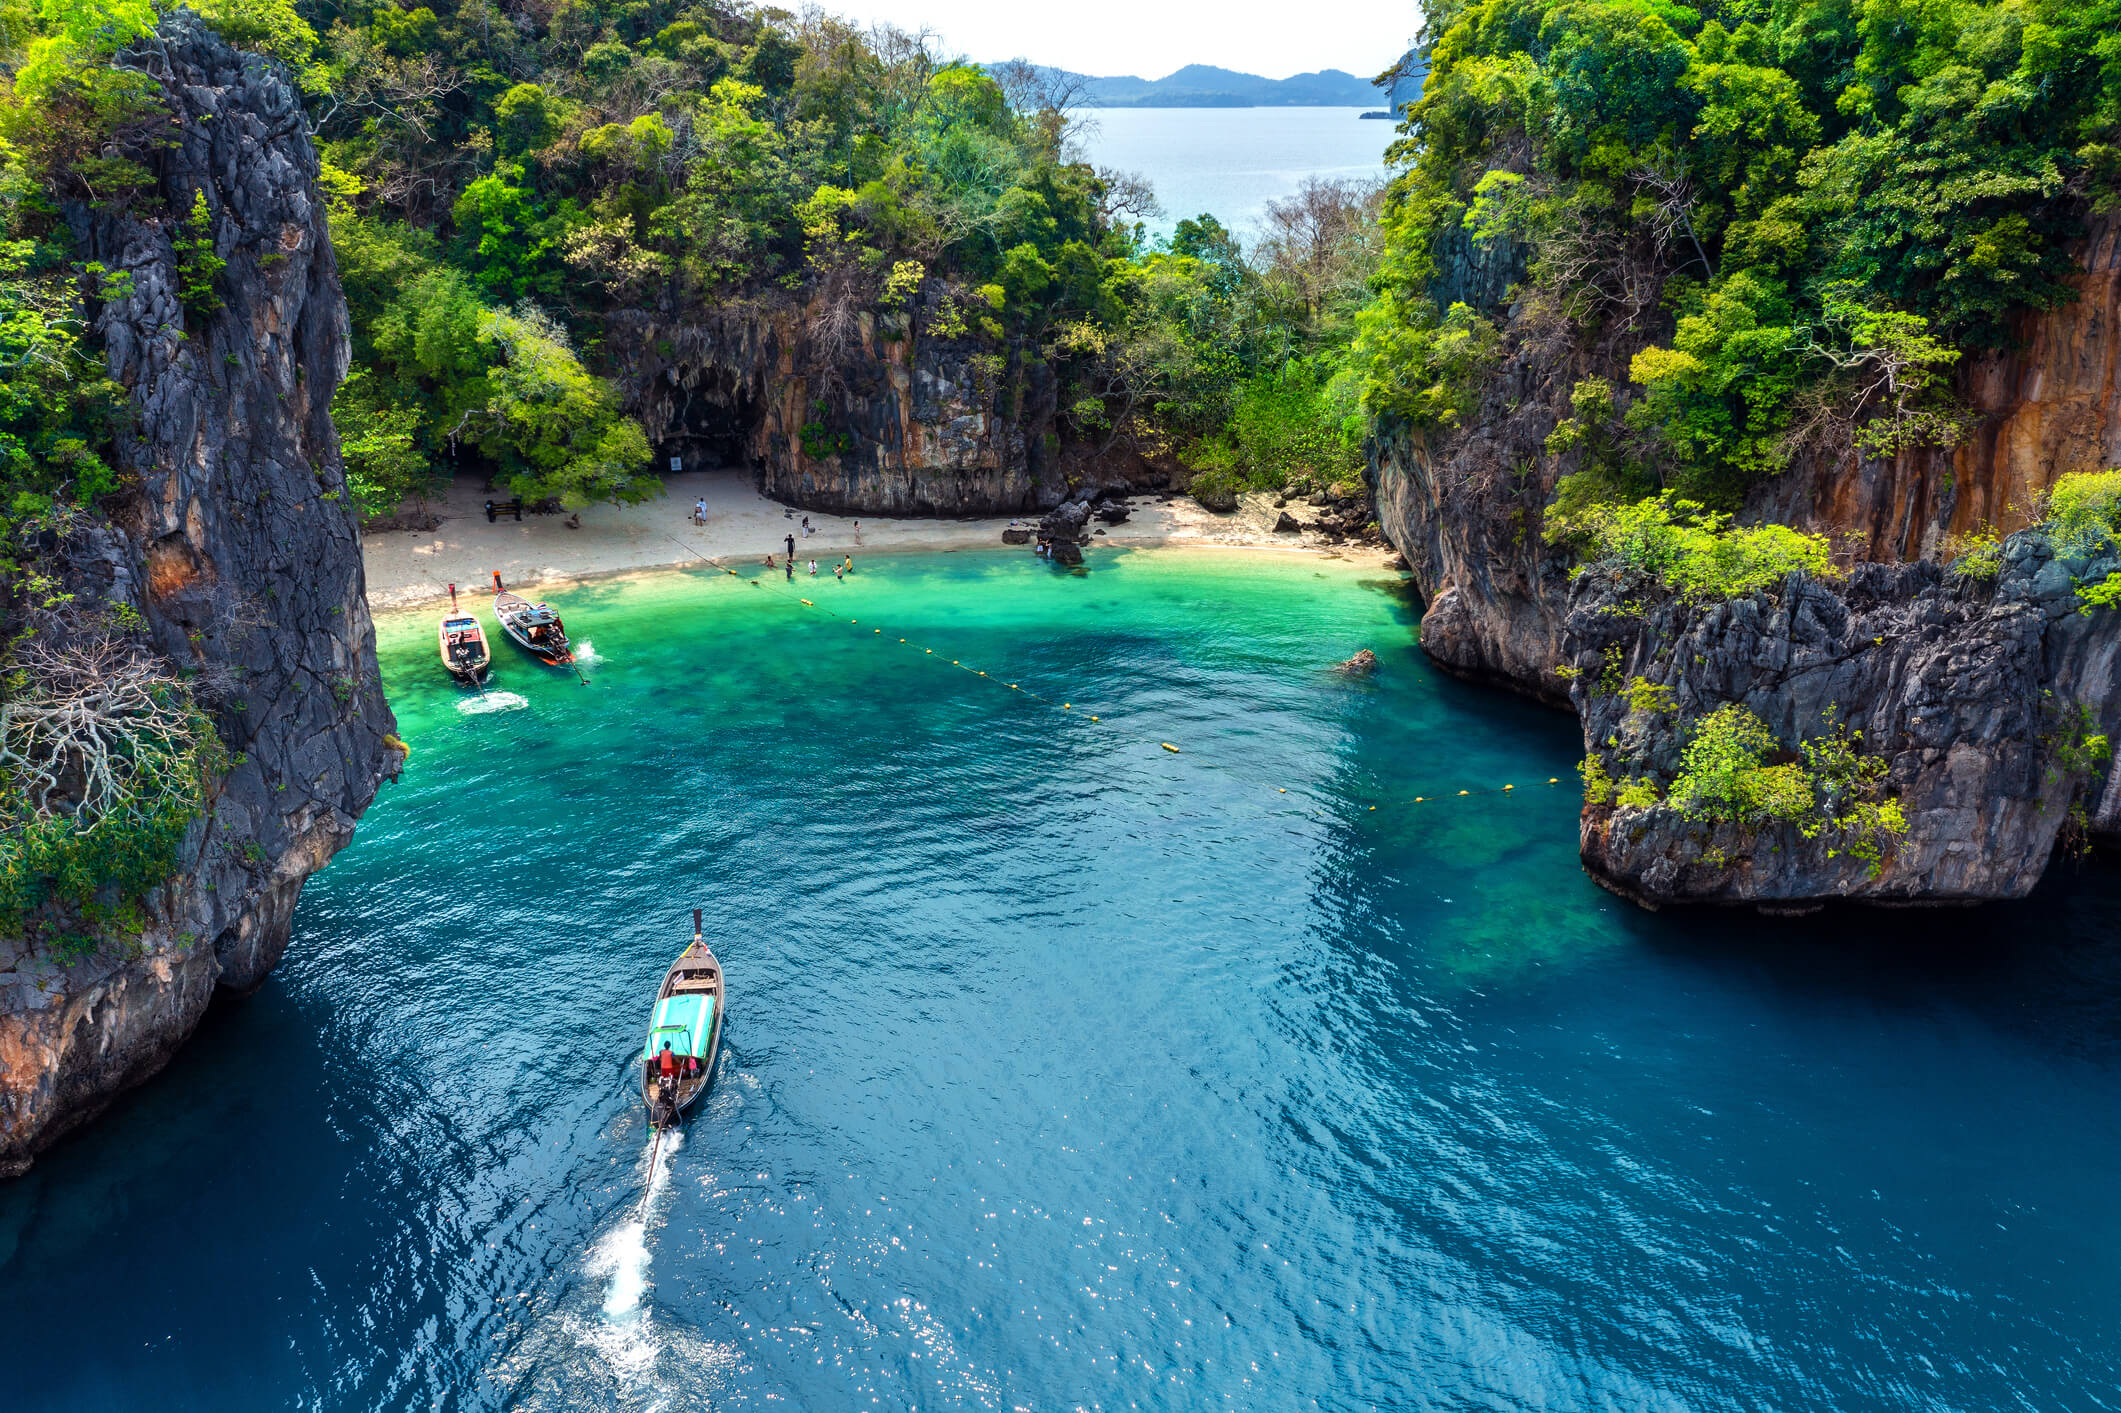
(586, 651)
(486, 702)
(623, 1253)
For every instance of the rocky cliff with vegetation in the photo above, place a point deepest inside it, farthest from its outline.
(882, 422)
(1715, 355)
(193, 719)
(588, 241)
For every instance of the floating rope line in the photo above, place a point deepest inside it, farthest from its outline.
(1069, 707)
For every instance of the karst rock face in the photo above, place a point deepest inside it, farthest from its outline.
(240, 550)
(1959, 684)
(1965, 689)
(861, 415)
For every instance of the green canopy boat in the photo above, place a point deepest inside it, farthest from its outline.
(686, 1024)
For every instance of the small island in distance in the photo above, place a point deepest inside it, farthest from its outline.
(1206, 86)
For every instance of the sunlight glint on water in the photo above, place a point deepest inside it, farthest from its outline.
(1065, 1072)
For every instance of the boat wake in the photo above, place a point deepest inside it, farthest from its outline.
(488, 702)
(586, 651)
(622, 1256)
(621, 1356)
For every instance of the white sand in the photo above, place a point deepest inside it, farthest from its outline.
(742, 526)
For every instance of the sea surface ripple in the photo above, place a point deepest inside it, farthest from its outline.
(1067, 1072)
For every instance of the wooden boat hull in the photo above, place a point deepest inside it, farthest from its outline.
(510, 610)
(462, 643)
(693, 985)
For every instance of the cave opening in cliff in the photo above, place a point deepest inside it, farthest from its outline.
(714, 422)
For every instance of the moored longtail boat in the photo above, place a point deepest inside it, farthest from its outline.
(687, 1022)
(465, 655)
(533, 626)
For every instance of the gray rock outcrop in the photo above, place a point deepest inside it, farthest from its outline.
(1968, 692)
(1955, 689)
(238, 547)
(876, 418)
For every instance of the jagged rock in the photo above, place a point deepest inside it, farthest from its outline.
(1114, 512)
(1959, 687)
(910, 425)
(1066, 552)
(1017, 535)
(1064, 522)
(1286, 524)
(1465, 505)
(242, 514)
(1361, 665)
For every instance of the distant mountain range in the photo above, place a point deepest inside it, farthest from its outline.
(1206, 86)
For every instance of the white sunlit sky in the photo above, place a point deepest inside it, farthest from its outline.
(1150, 38)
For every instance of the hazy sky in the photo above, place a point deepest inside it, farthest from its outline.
(1152, 37)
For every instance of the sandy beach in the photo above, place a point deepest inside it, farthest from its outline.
(407, 567)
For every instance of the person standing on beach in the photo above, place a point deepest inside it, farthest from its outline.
(699, 511)
(813, 569)
(791, 546)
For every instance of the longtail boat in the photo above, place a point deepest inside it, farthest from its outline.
(534, 626)
(465, 655)
(687, 1022)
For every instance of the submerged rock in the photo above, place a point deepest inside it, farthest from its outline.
(1361, 665)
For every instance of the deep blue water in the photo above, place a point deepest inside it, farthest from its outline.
(1064, 1071)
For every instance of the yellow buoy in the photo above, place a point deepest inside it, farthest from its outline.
(1419, 798)
(1093, 718)
(1171, 748)
(1509, 787)
(1283, 788)
(1465, 792)
(811, 604)
(929, 651)
(1553, 780)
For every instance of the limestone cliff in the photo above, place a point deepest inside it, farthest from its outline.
(1967, 691)
(1464, 507)
(237, 546)
(1956, 683)
(857, 414)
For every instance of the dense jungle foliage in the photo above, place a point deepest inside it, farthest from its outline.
(502, 181)
(504, 178)
(1789, 217)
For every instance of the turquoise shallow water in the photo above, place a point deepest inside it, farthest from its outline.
(1066, 1072)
